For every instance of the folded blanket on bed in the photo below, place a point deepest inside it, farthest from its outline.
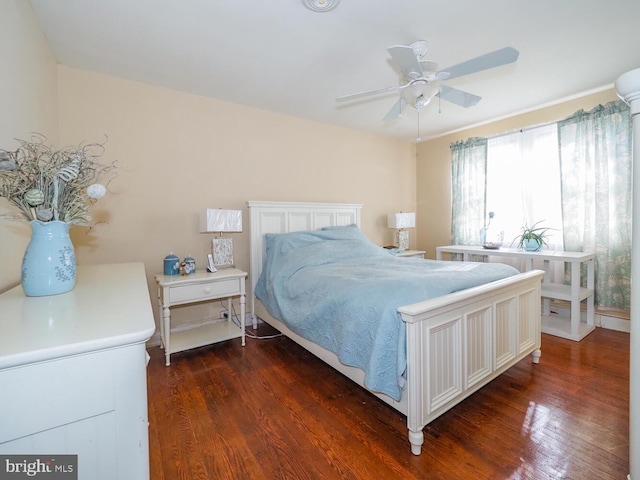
(339, 290)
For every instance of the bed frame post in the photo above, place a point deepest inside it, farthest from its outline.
(415, 386)
(535, 355)
(416, 438)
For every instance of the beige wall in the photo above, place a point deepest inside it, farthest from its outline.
(434, 166)
(179, 153)
(28, 95)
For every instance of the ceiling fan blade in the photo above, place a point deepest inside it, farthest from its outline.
(483, 62)
(453, 95)
(354, 96)
(396, 110)
(405, 58)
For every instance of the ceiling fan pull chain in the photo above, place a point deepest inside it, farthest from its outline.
(418, 139)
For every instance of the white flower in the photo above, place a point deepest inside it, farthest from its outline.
(96, 190)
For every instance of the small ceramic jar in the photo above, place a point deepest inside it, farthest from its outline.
(171, 264)
(189, 265)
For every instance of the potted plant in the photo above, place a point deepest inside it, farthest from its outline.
(532, 237)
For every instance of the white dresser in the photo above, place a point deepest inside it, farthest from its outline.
(73, 372)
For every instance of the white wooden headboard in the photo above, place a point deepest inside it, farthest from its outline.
(283, 217)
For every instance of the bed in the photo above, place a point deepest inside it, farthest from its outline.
(451, 345)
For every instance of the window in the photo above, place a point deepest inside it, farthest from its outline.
(573, 176)
(523, 182)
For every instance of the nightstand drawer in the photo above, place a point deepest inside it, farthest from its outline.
(204, 291)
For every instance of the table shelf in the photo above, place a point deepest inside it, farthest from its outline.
(194, 336)
(559, 291)
(560, 326)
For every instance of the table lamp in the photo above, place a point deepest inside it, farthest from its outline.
(399, 222)
(217, 220)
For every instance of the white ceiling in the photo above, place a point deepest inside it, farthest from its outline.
(280, 56)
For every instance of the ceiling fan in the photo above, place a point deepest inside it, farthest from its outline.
(421, 80)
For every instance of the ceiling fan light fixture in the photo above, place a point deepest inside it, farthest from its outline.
(421, 102)
(320, 5)
(418, 89)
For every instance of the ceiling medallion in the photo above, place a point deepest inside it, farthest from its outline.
(320, 5)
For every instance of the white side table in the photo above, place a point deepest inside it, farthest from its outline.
(200, 287)
(572, 328)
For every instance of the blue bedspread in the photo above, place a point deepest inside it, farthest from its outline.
(339, 290)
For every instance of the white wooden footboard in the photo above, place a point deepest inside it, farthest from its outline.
(459, 342)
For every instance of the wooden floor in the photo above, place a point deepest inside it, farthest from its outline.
(271, 410)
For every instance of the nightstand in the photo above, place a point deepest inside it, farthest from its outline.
(411, 253)
(199, 287)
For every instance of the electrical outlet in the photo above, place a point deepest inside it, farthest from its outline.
(224, 314)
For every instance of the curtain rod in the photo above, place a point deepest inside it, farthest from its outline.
(545, 124)
(521, 130)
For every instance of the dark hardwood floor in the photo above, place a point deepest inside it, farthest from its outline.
(271, 410)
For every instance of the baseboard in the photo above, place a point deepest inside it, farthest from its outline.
(614, 323)
(599, 319)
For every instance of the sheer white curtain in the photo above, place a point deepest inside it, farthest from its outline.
(523, 182)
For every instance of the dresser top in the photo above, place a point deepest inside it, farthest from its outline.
(108, 308)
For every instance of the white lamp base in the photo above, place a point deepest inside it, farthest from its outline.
(223, 252)
(402, 237)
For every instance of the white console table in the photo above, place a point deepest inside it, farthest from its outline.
(73, 370)
(571, 328)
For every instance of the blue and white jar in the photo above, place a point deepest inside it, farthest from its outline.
(189, 265)
(171, 264)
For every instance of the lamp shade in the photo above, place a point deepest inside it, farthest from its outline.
(219, 220)
(401, 220)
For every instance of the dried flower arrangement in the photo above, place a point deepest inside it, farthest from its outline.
(47, 184)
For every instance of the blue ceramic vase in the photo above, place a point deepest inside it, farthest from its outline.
(49, 263)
